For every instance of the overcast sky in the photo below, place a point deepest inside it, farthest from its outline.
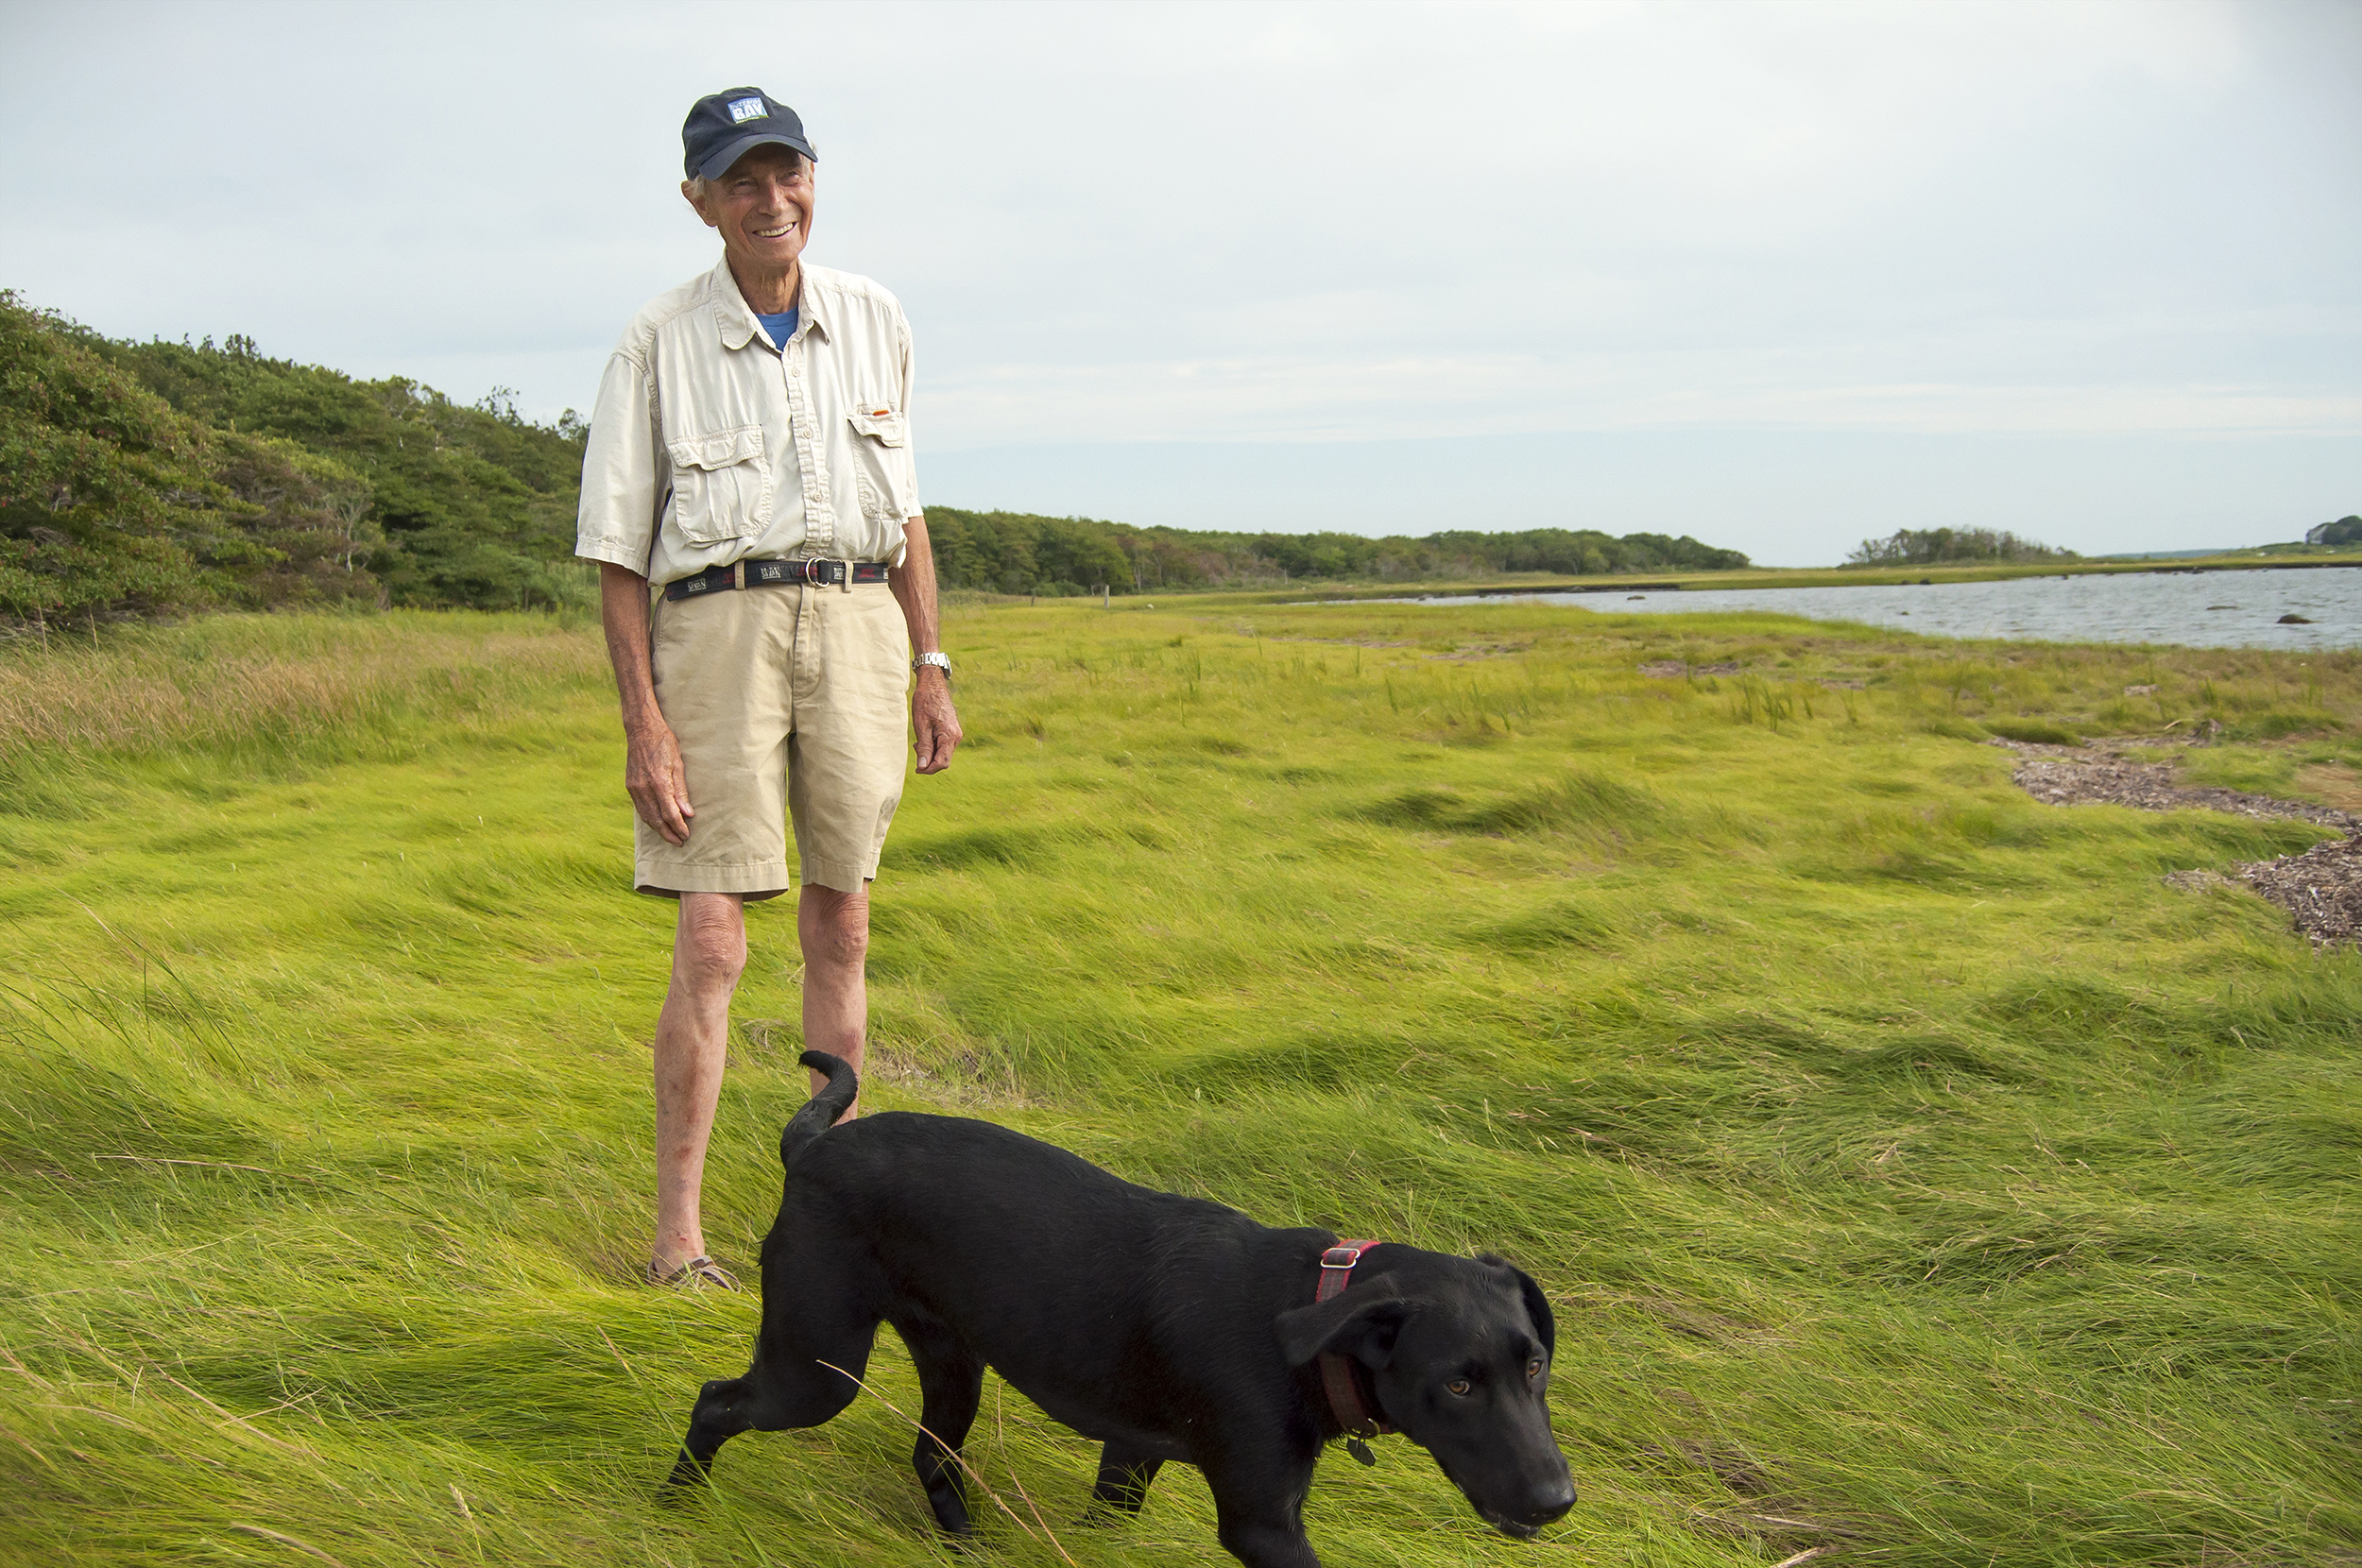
(1778, 275)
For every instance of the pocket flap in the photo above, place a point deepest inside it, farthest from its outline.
(885, 424)
(719, 450)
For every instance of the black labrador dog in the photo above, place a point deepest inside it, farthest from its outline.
(1166, 1327)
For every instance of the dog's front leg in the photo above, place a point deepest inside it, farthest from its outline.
(782, 1388)
(1259, 1517)
(719, 1417)
(951, 1382)
(1125, 1474)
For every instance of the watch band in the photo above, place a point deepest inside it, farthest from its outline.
(941, 661)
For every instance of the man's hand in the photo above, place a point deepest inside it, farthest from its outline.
(933, 721)
(658, 784)
(935, 725)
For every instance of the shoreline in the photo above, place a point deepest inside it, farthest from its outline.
(1793, 577)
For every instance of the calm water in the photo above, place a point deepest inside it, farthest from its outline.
(2209, 610)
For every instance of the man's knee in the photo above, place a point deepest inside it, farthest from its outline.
(836, 927)
(846, 944)
(709, 949)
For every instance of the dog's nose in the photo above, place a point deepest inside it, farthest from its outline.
(1552, 1506)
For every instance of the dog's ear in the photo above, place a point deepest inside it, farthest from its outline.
(1538, 1304)
(1360, 1322)
(1538, 1308)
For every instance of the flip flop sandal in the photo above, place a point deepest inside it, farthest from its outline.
(695, 1274)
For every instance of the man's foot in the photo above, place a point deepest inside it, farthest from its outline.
(695, 1274)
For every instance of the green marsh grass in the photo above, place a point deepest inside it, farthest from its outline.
(1921, 1179)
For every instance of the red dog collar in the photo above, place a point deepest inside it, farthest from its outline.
(1337, 1374)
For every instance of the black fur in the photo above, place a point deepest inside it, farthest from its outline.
(1166, 1327)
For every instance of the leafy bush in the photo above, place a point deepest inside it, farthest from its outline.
(140, 477)
(2040, 732)
(106, 494)
(2277, 724)
(445, 504)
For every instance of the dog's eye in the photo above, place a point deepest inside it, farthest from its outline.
(1534, 1368)
(1459, 1386)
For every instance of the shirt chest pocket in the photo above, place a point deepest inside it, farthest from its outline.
(882, 463)
(721, 485)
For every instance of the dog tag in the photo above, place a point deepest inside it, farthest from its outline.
(1360, 1451)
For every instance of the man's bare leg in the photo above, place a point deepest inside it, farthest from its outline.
(834, 930)
(691, 1037)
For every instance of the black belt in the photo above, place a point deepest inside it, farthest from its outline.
(769, 573)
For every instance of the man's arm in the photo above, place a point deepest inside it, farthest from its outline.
(652, 766)
(934, 724)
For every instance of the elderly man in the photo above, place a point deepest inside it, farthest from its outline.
(750, 462)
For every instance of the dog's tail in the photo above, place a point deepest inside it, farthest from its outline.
(818, 1114)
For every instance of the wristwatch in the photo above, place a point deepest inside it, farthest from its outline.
(941, 661)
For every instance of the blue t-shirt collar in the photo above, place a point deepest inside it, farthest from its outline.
(780, 327)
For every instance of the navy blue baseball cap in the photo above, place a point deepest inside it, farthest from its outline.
(722, 125)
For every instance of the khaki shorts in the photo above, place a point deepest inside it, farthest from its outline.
(782, 699)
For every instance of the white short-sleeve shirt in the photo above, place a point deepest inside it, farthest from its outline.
(709, 446)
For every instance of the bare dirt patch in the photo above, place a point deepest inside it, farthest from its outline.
(2321, 888)
(2101, 775)
(1673, 669)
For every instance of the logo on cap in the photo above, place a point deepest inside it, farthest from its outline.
(743, 109)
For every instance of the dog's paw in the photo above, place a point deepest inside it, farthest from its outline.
(687, 1484)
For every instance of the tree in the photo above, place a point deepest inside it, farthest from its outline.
(140, 476)
(1943, 546)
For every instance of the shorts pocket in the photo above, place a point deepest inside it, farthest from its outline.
(721, 485)
(882, 464)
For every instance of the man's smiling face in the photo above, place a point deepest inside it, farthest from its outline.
(762, 206)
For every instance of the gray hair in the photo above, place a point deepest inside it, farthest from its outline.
(699, 183)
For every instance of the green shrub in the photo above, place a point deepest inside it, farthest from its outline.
(2041, 732)
(2277, 724)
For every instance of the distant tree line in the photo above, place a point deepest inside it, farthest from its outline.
(141, 477)
(2346, 530)
(1020, 552)
(1948, 546)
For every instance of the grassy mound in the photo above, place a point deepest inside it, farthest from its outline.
(1920, 1177)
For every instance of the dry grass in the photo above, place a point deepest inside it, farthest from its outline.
(242, 680)
(2333, 784)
